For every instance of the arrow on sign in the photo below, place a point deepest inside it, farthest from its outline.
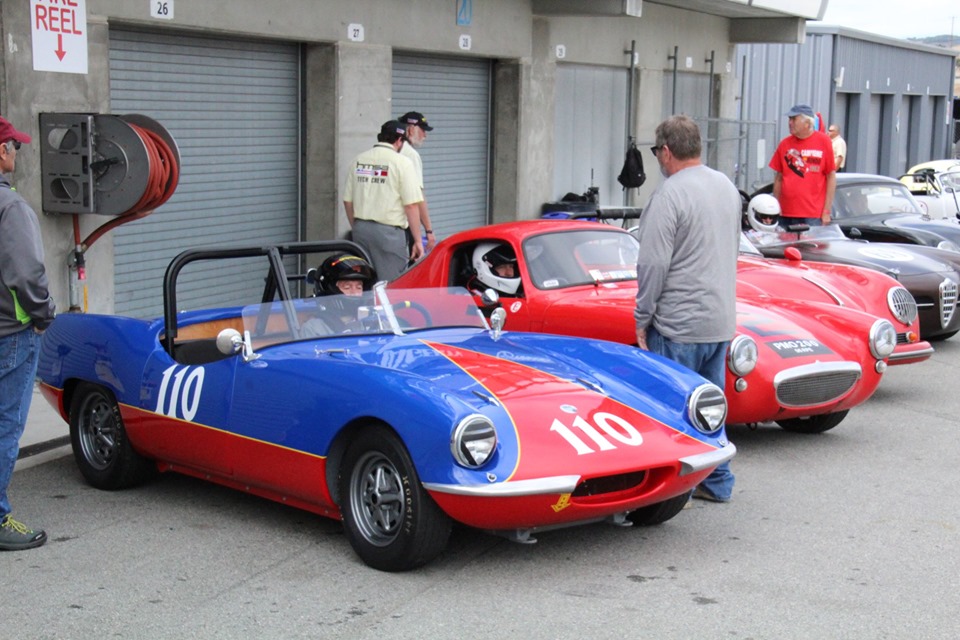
(60, 52)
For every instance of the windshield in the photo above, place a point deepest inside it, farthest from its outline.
(749, 240)
(382, 311)
(569, 258)
(876, 198)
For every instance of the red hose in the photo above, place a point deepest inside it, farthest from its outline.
(162, 180)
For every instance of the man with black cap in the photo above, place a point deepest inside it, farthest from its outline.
(26, 310)
(381, 196)
(805, 177)
(416, 133)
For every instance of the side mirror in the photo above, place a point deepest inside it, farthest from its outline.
(497, 319)
(229, 342)
(854, 233)
(490, 298)
(792, 254)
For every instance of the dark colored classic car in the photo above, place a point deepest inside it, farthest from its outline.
(881, 209)
(931, 275)
(800, 363)
(399, 412)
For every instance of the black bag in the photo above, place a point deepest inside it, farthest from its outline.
(632, 175)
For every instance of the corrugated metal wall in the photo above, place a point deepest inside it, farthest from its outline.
(888, 97)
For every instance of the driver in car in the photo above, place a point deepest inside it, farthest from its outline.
(495, 267)
(763, 218)
(342, 278)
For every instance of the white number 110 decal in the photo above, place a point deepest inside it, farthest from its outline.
(626, 433)
(186, 393)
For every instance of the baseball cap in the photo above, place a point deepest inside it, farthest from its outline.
(801, 110)
(393, 127)
(8, 132)
(417, 118)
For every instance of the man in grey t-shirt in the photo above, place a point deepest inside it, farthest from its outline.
(687, 267)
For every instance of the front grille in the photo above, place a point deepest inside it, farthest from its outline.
(902, 338)
(948, 301)
(814, 384)
(903, 305)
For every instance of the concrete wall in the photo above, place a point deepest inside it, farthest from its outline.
(347, 89)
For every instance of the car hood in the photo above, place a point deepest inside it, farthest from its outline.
(949, 229)
(890, 258)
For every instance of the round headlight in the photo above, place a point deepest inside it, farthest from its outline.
(902, 305)
(707, 408)
(742, 355)
(947, 245)
(883, 339)
(474, 441)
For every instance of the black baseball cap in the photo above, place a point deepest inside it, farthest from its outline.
(417, 118)
(393, 127)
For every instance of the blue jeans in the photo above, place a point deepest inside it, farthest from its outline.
(709, 359)
(18, 368)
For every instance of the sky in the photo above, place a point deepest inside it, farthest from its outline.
(896, 18)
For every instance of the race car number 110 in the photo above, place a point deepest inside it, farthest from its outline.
(626, 434)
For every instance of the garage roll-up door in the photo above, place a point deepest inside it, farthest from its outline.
(454, 95)
(590, 131)
(233, 108)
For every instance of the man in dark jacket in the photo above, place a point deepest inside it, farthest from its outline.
(26, 310)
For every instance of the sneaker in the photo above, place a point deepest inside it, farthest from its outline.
(704, 494)
(15, 536)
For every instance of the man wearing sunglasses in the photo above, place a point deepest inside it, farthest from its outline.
(26, 310)
(687, 267)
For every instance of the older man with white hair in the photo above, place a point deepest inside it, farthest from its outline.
(806, 172)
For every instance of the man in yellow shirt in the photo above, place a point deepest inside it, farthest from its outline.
(381, 196)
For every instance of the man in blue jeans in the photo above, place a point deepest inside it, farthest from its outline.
(26, 310)
(687, 268)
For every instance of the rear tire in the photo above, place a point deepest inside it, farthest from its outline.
(660, 512)
(100, 444)
(813, 424)
(390, 520)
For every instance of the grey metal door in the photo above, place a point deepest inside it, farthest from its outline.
(233, 108)
(454, 95)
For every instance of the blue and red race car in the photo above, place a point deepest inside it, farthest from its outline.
(400, 411)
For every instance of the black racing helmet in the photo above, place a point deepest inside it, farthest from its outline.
(343, 266)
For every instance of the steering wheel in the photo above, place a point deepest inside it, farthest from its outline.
(416, 306)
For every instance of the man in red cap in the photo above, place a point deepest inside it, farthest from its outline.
(26, 310)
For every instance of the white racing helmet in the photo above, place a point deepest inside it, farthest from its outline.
(489, 255)
(763, 206)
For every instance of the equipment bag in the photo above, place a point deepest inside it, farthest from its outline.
(632, 175)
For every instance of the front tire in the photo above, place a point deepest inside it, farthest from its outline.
(390, 521)
(813, 424)
(100, 444)
(660, 512)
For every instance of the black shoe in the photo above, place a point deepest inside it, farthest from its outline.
(15, 536)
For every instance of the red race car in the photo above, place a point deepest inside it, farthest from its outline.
(800, 363)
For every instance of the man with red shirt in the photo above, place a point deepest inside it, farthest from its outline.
(805, 178)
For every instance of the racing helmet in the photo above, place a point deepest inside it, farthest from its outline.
(343, 266)
(489, 255)
(766, 206)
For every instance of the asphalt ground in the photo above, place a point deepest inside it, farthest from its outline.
(848, 534)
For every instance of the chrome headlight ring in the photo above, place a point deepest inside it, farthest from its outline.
(707, 408)
(742, 355)
(474, 441)
(883, 339)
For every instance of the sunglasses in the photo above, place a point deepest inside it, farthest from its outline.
(655, 150)
(16, 144)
